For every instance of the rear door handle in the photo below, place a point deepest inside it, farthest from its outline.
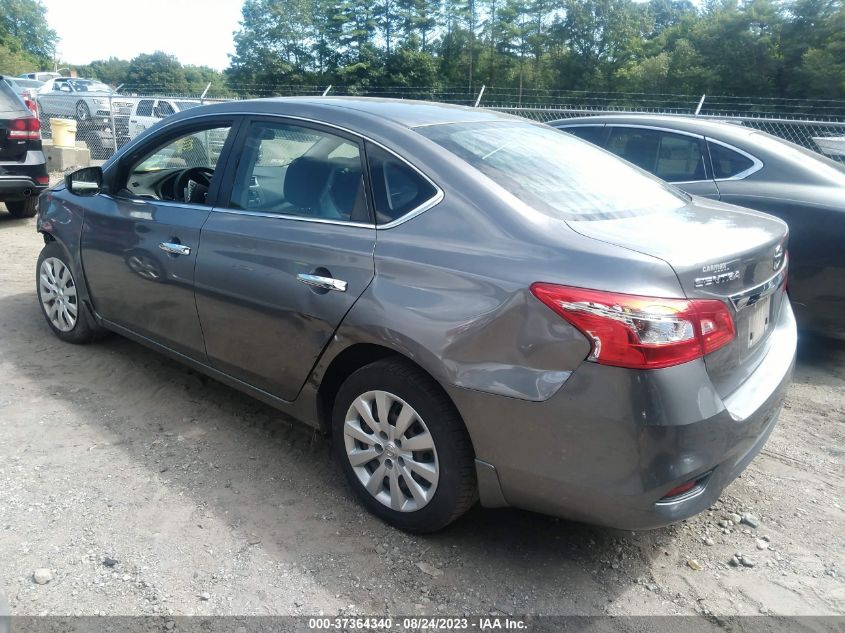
(327, 283)
(175, 249)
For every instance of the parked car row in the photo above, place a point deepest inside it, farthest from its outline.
(105, 119)
(473, 305)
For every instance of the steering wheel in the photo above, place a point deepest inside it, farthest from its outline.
(192, 184)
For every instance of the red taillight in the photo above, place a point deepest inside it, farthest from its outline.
(26, 128)
(679, 490)
(32, 104)
(641, 332)
(42, 180)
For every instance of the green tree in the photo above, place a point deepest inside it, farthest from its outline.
(24, 31)
(156, 72)
(112, 71)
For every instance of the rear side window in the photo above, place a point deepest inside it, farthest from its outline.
(9, 100)
(728, 163)
(672, 157)
(397, 188)
(145, 107)
(592, 133)
(164, 109)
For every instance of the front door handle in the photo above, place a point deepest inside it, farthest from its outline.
(175, 249)
(326, 283)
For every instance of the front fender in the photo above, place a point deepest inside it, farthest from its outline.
(60, 219)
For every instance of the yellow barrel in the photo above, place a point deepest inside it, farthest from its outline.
(64, 132)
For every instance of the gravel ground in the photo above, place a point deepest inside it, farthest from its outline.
(130, 484)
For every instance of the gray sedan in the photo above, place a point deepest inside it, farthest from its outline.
(743, 166)
(473, 306)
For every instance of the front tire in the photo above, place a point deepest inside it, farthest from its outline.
(82, 111)
(62, 307)
(25, 208)
(403, 447)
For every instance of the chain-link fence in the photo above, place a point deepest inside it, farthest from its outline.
(102, 122)
(824, 136)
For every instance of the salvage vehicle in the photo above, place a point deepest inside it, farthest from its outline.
(471, 304)
(753, 169)
(81, 99)
(23, 167)
(147, 112)
(40, 77)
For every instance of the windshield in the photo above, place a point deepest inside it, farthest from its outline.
(185, 105)
(555, 172)
(88, 85)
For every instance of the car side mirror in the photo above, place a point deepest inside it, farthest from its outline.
(87, 181)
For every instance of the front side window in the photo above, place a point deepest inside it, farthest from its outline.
(553, 172)
(397, 188)
(180, 169)
(728, 163)
(672, 157)
(293, 170)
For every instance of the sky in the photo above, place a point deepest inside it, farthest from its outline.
(195, 31)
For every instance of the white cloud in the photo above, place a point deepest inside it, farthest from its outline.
(195, 31)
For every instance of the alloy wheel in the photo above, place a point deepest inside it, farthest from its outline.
(391, 451)
(57, 292)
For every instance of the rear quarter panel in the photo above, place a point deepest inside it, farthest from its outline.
(452, 292)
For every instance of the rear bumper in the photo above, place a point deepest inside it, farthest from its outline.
(16, 178)
(612, 442)
(17, 188)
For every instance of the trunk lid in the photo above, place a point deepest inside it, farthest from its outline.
(718, 251)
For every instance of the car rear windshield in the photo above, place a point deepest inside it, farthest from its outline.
(819, 164)
(9, 100)
(555, 172)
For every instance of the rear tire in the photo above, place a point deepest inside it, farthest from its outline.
(416, 469)
(25, 208)
(62, 307)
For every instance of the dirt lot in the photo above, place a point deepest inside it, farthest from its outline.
(212, 503)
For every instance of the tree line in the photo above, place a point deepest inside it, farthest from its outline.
(758, 48)
(792, 48)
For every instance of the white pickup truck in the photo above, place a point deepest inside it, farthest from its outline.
(148, 111)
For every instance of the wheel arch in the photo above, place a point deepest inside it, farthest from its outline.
(347, 362)
(73, 258)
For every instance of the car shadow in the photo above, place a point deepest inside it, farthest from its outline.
(273, 482)
(8, 220)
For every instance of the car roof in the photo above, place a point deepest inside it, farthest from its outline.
(692, 124)
(404, 112)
